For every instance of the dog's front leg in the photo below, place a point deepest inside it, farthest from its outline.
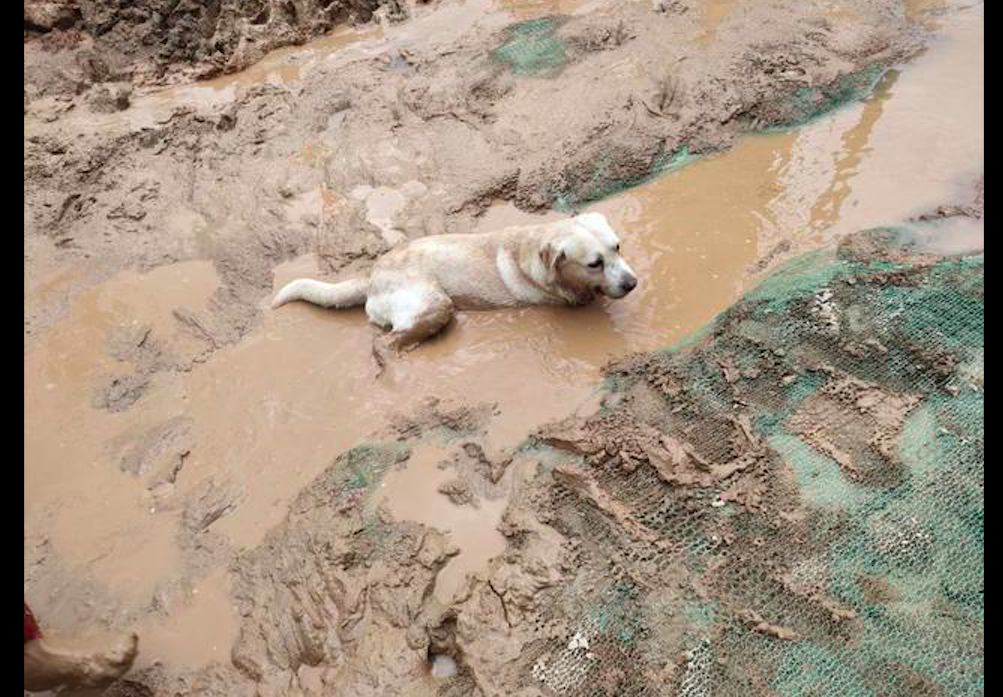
(382, 350)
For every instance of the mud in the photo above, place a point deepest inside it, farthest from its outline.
(399, 111)
(199, 437)
(70, 46)
(414, 494)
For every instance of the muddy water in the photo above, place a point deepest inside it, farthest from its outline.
(712, 13)
(272, 412)
(927, 142)
(201, 630)
(530, 9)
(285, 66)
(97, 515)
(413, 494)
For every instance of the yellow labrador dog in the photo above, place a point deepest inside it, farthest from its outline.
(414, 289)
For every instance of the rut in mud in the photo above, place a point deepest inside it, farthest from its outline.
(458, 546)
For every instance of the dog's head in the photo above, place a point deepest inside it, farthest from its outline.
(584, 259)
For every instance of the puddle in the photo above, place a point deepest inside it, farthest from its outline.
(200, 630)
(272, 412)
(712, 13)
(94, 514)
(284, 66)
(52, 284)
(531, 9)
(923, 146)
(413, 493)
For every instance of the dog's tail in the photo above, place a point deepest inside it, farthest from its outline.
(345, 294)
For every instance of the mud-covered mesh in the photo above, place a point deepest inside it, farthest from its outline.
(608, 175)
(794, 505)
(809, 103)
(530, 48)
(361, 469)
(605, 181)
(358, 474)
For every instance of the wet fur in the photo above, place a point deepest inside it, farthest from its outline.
(413, 291)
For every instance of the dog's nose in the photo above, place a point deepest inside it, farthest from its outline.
(628, 284)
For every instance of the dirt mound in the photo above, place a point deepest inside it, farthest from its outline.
(72, 44)
(743, 497)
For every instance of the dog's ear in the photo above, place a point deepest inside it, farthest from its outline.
(551, 254)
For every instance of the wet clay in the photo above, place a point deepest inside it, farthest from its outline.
(413, 494)
(200, 629)
(420, 492)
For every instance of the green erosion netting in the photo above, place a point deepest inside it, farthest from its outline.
(604, 182)
(797, 109)
(358, 474)
(794, 505)
(531, 48)
(809, 103)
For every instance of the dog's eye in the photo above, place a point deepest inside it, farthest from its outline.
(596, 264)
(616, 249)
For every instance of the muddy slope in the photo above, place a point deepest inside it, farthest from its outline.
(440, 120)
(70, 45)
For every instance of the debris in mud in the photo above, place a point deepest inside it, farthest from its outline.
(760, 625)
(458, 491)
(531, 48)
(207, 504)
(158, 455)
(119, 392)
(41, 16)
(588, 489)
(432, 414)
(856, 424)
(492, 469)
(109, 97)
(975, 209)
(367, 579)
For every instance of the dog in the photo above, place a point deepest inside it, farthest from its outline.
(414, 290)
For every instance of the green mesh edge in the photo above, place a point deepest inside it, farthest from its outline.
(530, 48)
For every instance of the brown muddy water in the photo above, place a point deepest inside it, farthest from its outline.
(271, 412)
(412, 493)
